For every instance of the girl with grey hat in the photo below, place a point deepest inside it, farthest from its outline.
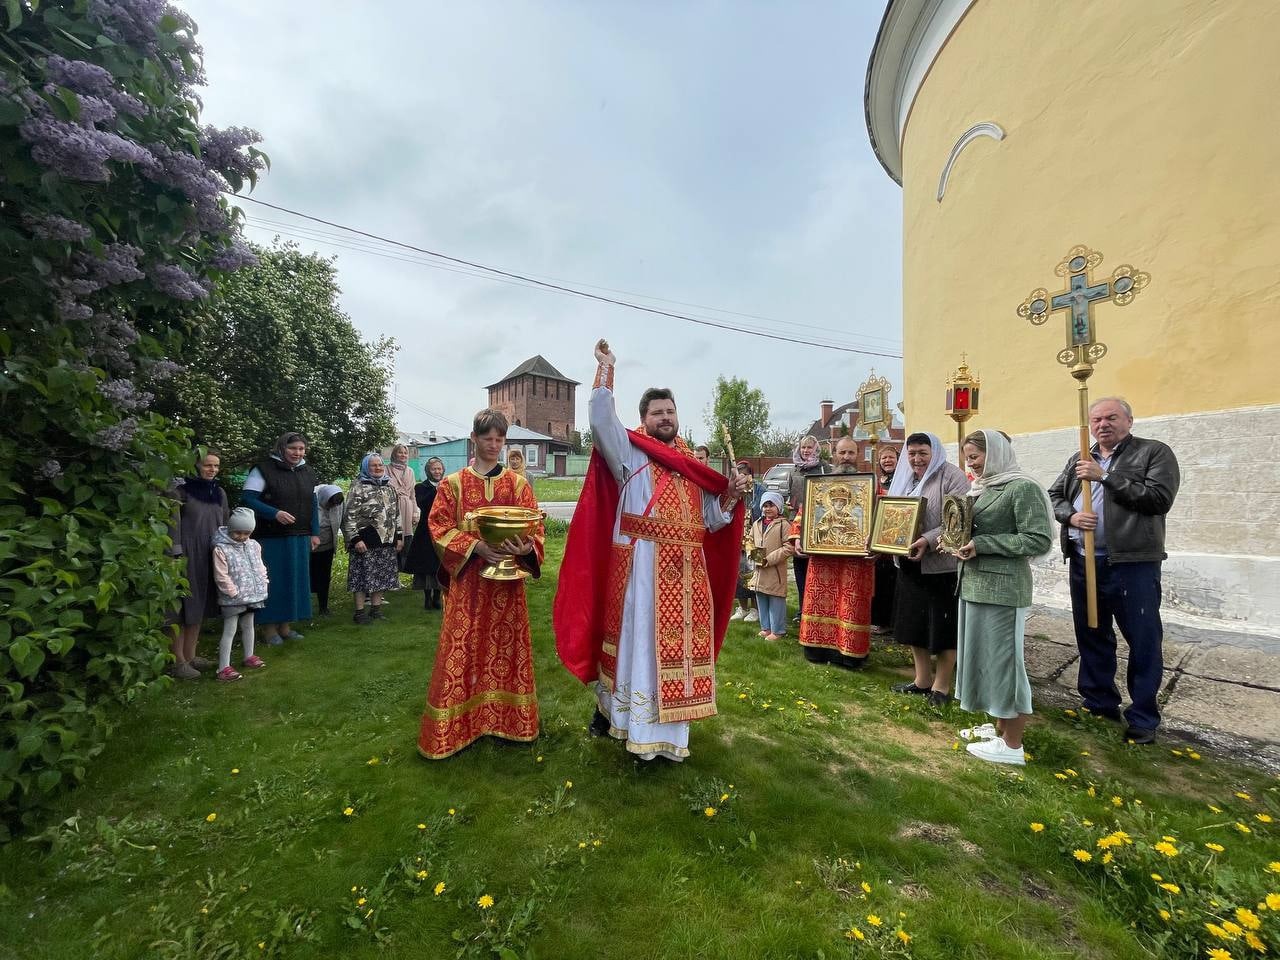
(241, 577)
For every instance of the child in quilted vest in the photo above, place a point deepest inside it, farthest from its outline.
(769, 536)
(241, 578)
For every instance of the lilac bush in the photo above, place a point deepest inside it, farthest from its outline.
(114, 231)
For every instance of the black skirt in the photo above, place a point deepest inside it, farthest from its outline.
(925, 612)
(884, 599)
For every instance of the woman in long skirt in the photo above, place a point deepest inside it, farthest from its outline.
(1010, 526)
(371, 529)
(423, 561)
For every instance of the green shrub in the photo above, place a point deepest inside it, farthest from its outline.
(111, 227)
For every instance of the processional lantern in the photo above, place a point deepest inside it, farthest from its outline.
(962, 400)
(1082, 351)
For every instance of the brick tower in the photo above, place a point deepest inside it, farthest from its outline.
(537, 396)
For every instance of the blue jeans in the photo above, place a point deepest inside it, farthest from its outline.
(773, 613)
(1128, 598)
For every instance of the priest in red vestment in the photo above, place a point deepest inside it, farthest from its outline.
(648, 577)
(482, 682)
(835, 620)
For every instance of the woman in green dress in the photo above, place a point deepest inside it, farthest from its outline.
(1010, 526)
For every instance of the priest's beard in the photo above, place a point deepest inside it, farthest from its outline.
(844, 468)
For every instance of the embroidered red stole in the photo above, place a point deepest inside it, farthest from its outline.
(837, 604)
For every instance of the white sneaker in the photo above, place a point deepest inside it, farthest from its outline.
(997, 751)
(738, 614)
(753, 616)
(985, 732)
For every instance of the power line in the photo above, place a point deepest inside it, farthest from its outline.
(570, 290)
(306, 233)
(315, 234)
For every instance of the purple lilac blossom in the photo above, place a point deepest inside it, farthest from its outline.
(118, 264)
(164, 370)
(49, 470)
(79, 76)
(68, 309)
(123, 394)
(125, 103)
(175, 282)
(233, 257)
(134, 22)
(221, 149)
(54, 227)
(116, 437)
(69, 150)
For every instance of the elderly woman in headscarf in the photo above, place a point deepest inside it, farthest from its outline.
(203, 509)
(281, 492)
(807, 463)
(515, 460)
(402, 482)
(329, 497)
(1010, 526)
(371, 529)
(423, 561)
(926, 603)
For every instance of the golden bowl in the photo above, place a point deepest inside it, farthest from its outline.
(497, 524)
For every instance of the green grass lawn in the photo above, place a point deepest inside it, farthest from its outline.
(552, 489)
(819, 816)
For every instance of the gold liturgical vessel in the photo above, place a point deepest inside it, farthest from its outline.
(496, 524)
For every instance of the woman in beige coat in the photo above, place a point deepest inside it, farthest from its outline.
(402, 482)
(769, 538)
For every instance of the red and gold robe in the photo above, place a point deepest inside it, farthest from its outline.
(482, 682)
(837, 604)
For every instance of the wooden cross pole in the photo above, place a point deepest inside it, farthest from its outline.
(728, 445)
(1082, 351)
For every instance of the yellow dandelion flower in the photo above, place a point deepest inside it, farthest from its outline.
(1215, 847)
(1273, 902)
(1193, 755)
(710, 811)
(421, 874)
(904, 937)
(866, 887)
(1244, 796)
(210, 818)
(1248, 919)
(724, 797)
(1156, 877)
(742, 696)
(1262, 817)
(422, 826)
(439, 888)
(262, 944)
(452, 811)
(1060, 776)
(1171, 887)
(1070, 772)
(1232, 928)
(568, 784)
(1243, 827)
(1217, 931)
(353, 889)
(1254, 941)
(1167, 848)
(1137, 802)
(234, 771)
(874, 920)
(537, 760)
(361, 902)
(1213, 809)
(485, 902)
(1108, 857)
(1091, 791)
(1117, 801)
(1217, 953)
(348, 811)
(1165, 914)
(596, 843)
(582, 844)
(855, 934)
(1176, 753)
(1087, 823)
(1273, 866)
(1084, 856)
(372, 762)
(1069, 713)
(1037, 828)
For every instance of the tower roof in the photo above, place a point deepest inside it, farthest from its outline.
(538, 367)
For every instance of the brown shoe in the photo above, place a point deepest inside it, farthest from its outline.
(184, 671)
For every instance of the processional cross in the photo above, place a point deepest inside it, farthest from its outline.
(1082, 351)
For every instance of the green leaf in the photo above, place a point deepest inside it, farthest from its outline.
(14, 7)
(11, 112)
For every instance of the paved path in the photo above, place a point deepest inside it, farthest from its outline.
(559, 509)
(1220, 688)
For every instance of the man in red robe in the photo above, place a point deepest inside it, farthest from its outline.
(648, 577)
(835, 620)
(482, 682)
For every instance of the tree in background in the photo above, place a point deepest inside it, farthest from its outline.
(276, 353)
(779, 442)
(744, 410)
(112, 226)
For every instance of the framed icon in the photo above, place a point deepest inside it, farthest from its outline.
(957, 522)
(839, 508)
(873, 403)
(897, 524)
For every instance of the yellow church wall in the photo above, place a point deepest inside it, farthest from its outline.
(1145, 130)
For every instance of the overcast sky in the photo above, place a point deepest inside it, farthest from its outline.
(706, 152)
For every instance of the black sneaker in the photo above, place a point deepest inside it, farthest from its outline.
(939, 699)
(599, 724)
(909, 687)
(1140, 736)
(850, 663)
(1106, 713)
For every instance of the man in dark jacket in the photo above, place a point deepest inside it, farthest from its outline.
(1134, 484)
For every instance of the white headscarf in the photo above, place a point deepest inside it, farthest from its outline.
(904, 479)
(1001, 467)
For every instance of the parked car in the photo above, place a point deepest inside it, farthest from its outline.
(778, 479)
